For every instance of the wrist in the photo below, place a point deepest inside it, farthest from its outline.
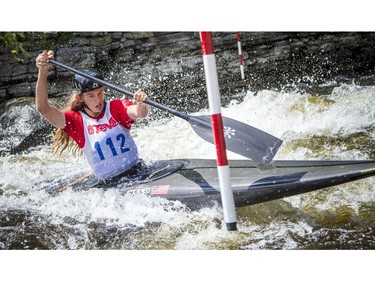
(43, 70)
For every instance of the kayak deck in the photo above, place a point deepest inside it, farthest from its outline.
(195, 181)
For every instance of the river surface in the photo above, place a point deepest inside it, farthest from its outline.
(339, 125)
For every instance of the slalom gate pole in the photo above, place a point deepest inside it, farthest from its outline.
(240, 55)
(218, 130)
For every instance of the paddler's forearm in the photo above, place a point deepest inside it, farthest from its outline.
(142, 110)
(55, 116)
(41, 91)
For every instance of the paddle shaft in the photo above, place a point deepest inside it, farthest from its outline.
(240, 138)
(61, 189)
(123, 91)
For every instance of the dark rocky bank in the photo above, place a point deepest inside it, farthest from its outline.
(169, 64)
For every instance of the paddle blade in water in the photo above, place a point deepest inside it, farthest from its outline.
(240, 138)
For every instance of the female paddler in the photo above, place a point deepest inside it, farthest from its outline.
(100, 128)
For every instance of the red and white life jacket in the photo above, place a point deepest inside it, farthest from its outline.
(109, 148)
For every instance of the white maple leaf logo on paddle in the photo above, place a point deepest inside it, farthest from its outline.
(229, 132)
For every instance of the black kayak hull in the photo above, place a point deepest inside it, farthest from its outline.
(195, 182)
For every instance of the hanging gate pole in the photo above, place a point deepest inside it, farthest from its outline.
(218, 130)
(240, 55)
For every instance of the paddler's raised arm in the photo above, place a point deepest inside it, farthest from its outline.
(55, 116)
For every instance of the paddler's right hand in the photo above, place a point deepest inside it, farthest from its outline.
(42, 59)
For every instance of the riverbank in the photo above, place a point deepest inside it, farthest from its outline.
(166, 62)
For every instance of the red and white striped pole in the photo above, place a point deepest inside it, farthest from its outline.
(240, 55)
(218, 130)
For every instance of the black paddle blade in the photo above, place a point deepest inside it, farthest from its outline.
(240, 138)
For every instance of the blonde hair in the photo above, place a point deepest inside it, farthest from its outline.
(62, 140)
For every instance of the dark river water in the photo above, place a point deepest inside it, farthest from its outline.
(339, 125)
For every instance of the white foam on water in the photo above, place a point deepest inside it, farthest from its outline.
(290, 116)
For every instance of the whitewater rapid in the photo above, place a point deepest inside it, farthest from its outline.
(337, 126)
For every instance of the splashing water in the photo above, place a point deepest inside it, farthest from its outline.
(335, 126)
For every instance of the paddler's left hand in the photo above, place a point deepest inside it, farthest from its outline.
(139, 97)
(139, 109)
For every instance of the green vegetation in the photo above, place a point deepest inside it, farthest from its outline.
(13, 42)
(18, 43)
